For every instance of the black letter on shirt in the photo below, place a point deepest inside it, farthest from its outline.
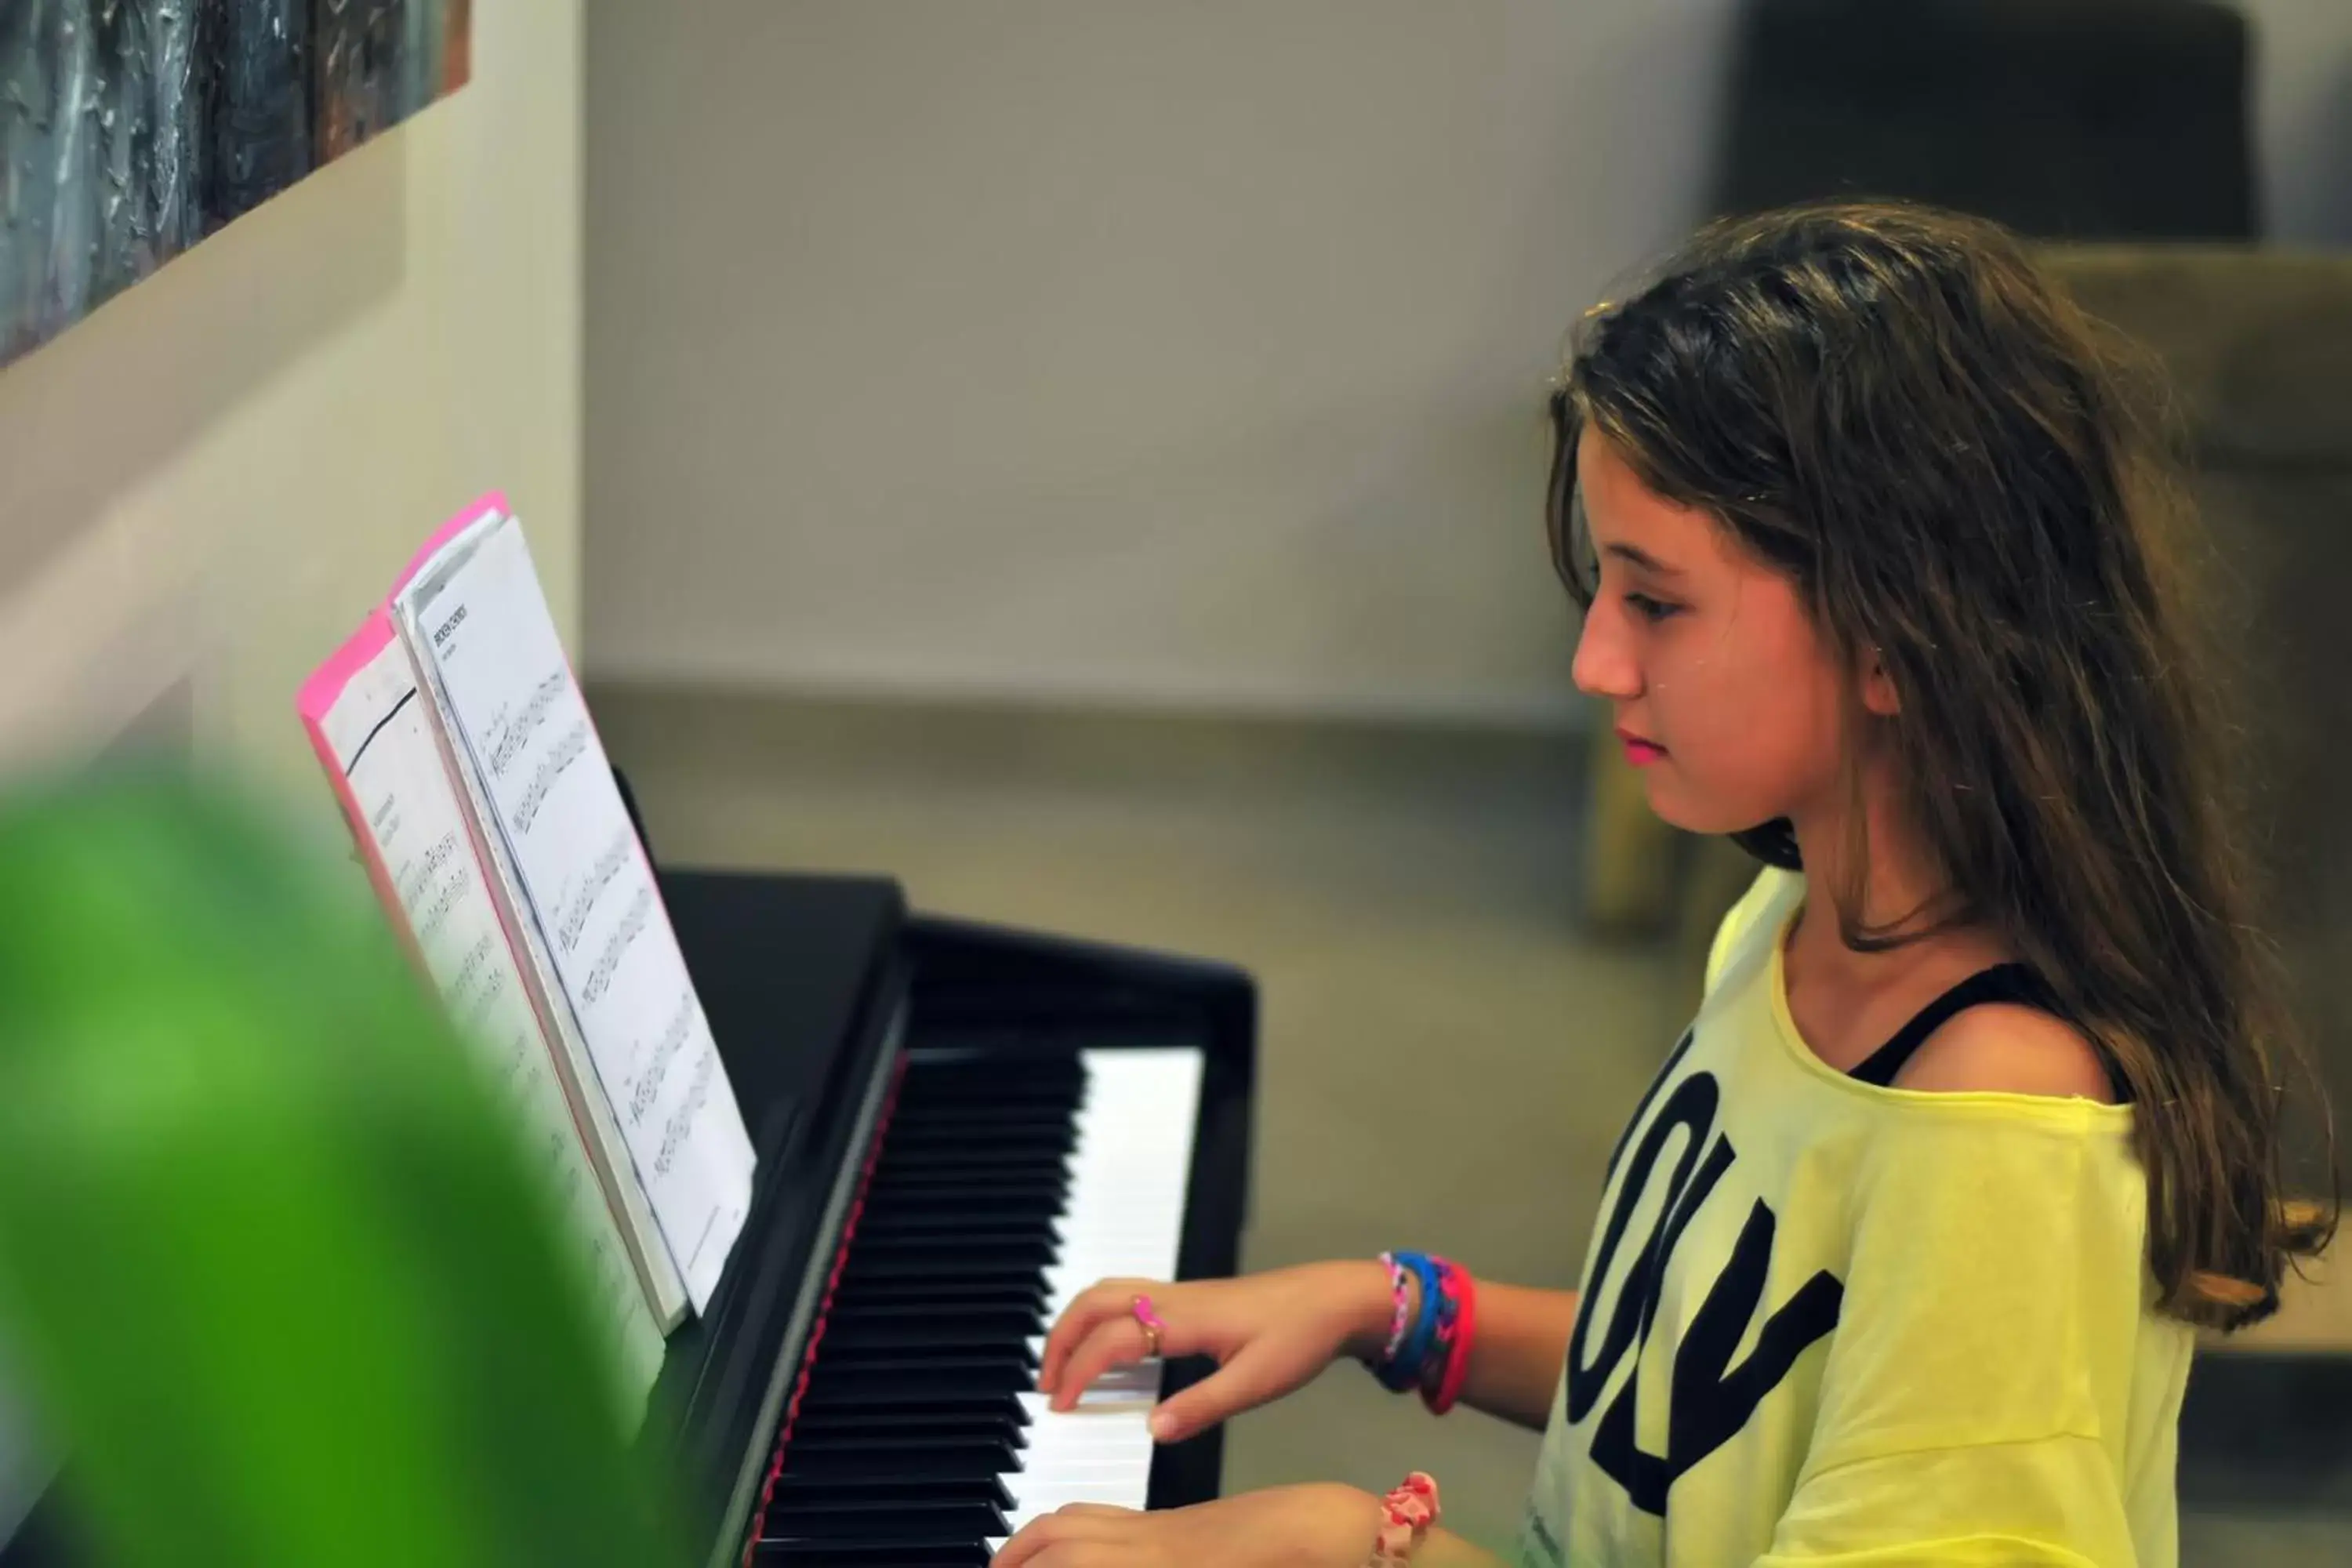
(1709, 1399)
(1691, 1107)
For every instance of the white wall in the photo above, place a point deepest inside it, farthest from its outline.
(204, 485)
(1136, 351)
(1107, 348)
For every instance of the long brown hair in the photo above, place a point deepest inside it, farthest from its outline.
(1961, 471)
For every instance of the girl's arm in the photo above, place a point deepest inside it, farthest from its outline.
(1519, 1349)
(1515, 1356)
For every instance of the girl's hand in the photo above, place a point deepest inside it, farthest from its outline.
(1270, 1333)
(1286, 1527)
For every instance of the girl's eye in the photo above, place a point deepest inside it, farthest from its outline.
(1649, 609)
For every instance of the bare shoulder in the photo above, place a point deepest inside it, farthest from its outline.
(2017, 1050)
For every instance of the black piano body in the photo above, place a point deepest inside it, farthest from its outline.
(820, 990)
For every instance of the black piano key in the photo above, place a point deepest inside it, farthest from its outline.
(915, 1220)
(994, 1074)
(1029, 1207)
(923, 1227)
(874, 1294)
(834, 1426)
(927, 1520)
(977, 1124)
(884, 1269)
(961, 1147)
(912, 1186)
(895, 1553)
(925, 1327)
(982, 1206)
(944, 1352)
(934, 1102)
(878, 1389)
(1003, 1409)
(981, 1143)
(913, 1181)
(989, 1489)
(932, 1091)
(919, 1164)
(978, 1236)
(910, 1458)
(900, 1256)
(828, 1374)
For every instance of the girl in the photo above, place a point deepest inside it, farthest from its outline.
(1901, 1257)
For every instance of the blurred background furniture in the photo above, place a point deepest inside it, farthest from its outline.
(2086, 120)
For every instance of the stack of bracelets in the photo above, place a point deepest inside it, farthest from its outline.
(1429, 1349)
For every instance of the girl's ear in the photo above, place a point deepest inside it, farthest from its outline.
(1878, 694)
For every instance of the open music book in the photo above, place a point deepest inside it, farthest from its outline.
(487, 813)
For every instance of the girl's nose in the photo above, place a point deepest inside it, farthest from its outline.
(1604, 665)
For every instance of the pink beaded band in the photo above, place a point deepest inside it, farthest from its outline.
(1407, 1515)
(1457, 1356)
(1448, 1360)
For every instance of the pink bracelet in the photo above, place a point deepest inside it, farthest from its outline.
(1407, 1515)
(1447, 1361)
(1457, 1360)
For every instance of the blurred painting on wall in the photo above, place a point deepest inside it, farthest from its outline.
(131, 129)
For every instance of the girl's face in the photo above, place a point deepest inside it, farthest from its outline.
(1724, 695)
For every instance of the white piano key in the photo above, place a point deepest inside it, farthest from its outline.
(1129, 1162)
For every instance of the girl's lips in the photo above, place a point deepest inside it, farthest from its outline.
(1639, 751)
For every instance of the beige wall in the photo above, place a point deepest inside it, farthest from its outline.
(204, 485)
(1143, 352)
(1112, 349)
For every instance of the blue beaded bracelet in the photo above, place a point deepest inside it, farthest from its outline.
(1403, 1372)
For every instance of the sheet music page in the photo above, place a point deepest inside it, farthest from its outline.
(503, 669)
(379, 731)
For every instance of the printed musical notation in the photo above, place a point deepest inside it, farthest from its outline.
(681, 1123)
(655, 1075)
(592, 898)
(582, 902)
(512, 736)
(616, 946)
(382, 741)
(550, 769)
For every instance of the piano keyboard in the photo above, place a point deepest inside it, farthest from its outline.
(1004, 1188)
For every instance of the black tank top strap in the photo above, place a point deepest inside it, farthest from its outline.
(2001, 982)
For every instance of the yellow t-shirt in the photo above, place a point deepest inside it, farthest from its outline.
(1826, 1323)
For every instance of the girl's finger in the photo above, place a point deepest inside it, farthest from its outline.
(1247, 1381)
(1113, 1342)
(1105, 1298)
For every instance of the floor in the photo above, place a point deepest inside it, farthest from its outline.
(1445, 1059)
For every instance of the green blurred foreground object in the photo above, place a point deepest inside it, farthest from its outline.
(269, 1257)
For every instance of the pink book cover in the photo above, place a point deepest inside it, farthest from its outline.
(317, 698)
(326, 686)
